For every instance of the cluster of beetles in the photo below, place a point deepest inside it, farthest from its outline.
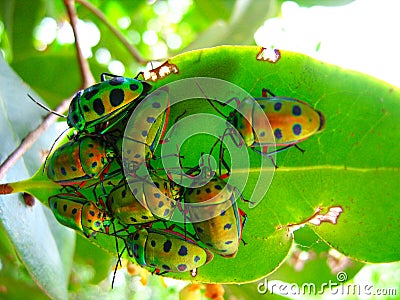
(102, 192)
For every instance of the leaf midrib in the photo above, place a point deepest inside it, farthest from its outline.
(327, 167)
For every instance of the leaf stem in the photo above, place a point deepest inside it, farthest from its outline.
(27, 185)
(132, 50)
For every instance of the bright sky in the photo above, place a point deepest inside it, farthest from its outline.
(363, 35)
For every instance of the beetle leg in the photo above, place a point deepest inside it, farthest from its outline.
(298, 147)
(265, 93)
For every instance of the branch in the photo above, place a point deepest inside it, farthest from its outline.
(98, 13)
(28, 141)
(86, 74)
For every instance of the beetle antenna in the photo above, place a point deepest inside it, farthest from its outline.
(116, 265)
(51, 149)
(46, 108)
(209, 101)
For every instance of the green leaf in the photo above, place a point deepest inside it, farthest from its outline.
(41, 243)
(58, 89)
(313, 261)
(343, 166)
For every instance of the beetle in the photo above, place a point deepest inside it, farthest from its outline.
(145, 130)
(125, 207)
(292, 121)
(92, 108)
(79, 160)
(160, 196)
(102, 101)
(289, 121)
(76, 212)
(215, 216)
(144, 200)
(167, 251)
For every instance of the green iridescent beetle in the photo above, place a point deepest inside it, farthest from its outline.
(215, 216)
(76, 212)
(167, 251)
(103, 101)
(79, 160)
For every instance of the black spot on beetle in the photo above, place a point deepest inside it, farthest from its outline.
(183, 251)
(277, 106)
(90, 93)
(98, 106)
(182, 267)
(227, 226)
(296, 110)
(167, 246)
(75, 118)
(116, 80)
(297, 129)
(117, 96)
(278, 133)
(63, 171)
(134, 86)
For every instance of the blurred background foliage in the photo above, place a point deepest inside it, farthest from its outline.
(37, 41)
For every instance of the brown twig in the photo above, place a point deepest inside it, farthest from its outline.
(28, 141)
(135, 53)
(86, 74)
